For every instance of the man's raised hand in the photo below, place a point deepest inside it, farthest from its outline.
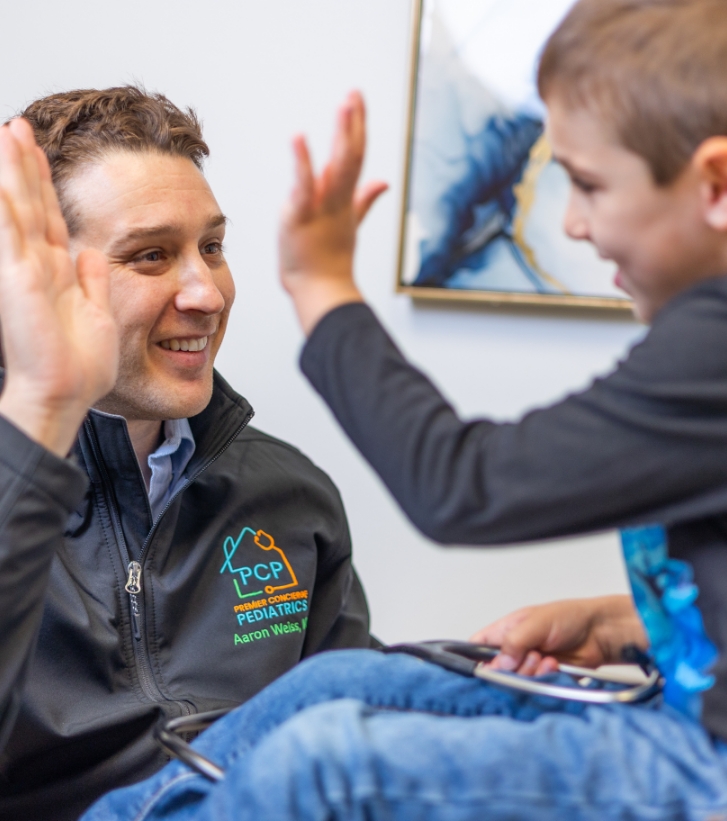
(59, 339)
(321, 218)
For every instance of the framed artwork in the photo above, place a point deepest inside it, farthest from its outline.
(484, 200)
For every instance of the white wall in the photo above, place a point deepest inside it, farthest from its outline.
(258, 71)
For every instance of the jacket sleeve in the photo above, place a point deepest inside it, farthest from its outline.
(38, 491)
(648, 443)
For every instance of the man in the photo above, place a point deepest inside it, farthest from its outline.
(201, 558)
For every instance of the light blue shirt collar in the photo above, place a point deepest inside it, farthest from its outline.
(168, 463)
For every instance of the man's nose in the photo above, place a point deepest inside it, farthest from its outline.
(198, 290)
(575, 223)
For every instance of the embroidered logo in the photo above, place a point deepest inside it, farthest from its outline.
(259, 566)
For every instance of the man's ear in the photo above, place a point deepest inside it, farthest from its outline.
(710, 162)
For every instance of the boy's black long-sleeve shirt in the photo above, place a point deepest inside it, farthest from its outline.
(645, 444)
(247, 571)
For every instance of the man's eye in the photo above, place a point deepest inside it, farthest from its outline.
(149, 256)
(212, 248)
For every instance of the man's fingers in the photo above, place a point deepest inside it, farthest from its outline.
(20, 182)
(10, 165)
(366, 196)
(56, 229)
(23, 133)
(92, 270)
(11, 247)
(93, 276)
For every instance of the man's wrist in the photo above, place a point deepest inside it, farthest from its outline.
(52, 425)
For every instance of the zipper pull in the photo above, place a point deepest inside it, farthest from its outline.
(133, 585)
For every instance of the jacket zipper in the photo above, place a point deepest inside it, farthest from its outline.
(135, 568)
(145, 679)
(133, 588)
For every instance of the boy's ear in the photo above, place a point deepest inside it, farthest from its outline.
(710, 162)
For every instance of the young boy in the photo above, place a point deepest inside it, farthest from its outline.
(638, 117)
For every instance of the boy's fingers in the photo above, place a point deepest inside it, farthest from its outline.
(530, 664)
(529, 634)
(366, 196)
(548, 664)
(494, 634)
(303, 197)
(341, 175)
(490, 635)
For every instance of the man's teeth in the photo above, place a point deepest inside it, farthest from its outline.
(184, 344)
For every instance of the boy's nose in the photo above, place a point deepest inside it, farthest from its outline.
(575, 224)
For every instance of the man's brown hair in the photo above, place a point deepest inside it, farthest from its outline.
(75, 128)
(655, 71)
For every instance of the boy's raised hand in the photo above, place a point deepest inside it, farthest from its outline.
(59, 339)
(320, 220)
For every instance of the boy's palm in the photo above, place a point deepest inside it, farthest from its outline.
(320, 220)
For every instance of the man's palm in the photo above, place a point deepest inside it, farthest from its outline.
(60, 341)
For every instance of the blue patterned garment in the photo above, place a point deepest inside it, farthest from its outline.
(665, 594)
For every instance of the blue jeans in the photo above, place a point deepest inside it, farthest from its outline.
(356, 734)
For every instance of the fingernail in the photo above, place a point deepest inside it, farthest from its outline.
(506, 663)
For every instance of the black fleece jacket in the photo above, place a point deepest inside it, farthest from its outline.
(646, 444)
(247, 571)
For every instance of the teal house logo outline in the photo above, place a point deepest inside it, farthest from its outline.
(261, 571)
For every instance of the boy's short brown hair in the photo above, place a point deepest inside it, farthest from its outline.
(653, 70)
(75, 128)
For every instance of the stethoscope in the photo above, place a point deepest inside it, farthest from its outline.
(459, 657)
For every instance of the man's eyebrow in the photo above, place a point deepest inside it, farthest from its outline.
(163, 229)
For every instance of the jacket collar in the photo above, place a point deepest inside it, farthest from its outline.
(214, 428)
(105, 448)
(226, 414)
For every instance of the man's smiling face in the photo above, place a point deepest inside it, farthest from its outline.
(157, 222)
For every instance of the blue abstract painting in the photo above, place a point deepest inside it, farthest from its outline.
(485, 200)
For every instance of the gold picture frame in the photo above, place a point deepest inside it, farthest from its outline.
(552, 292)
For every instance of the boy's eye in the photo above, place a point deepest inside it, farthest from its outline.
(582, 185)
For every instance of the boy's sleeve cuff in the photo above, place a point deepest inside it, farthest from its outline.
(335, 323)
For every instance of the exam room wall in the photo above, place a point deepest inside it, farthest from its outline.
(258, 71)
